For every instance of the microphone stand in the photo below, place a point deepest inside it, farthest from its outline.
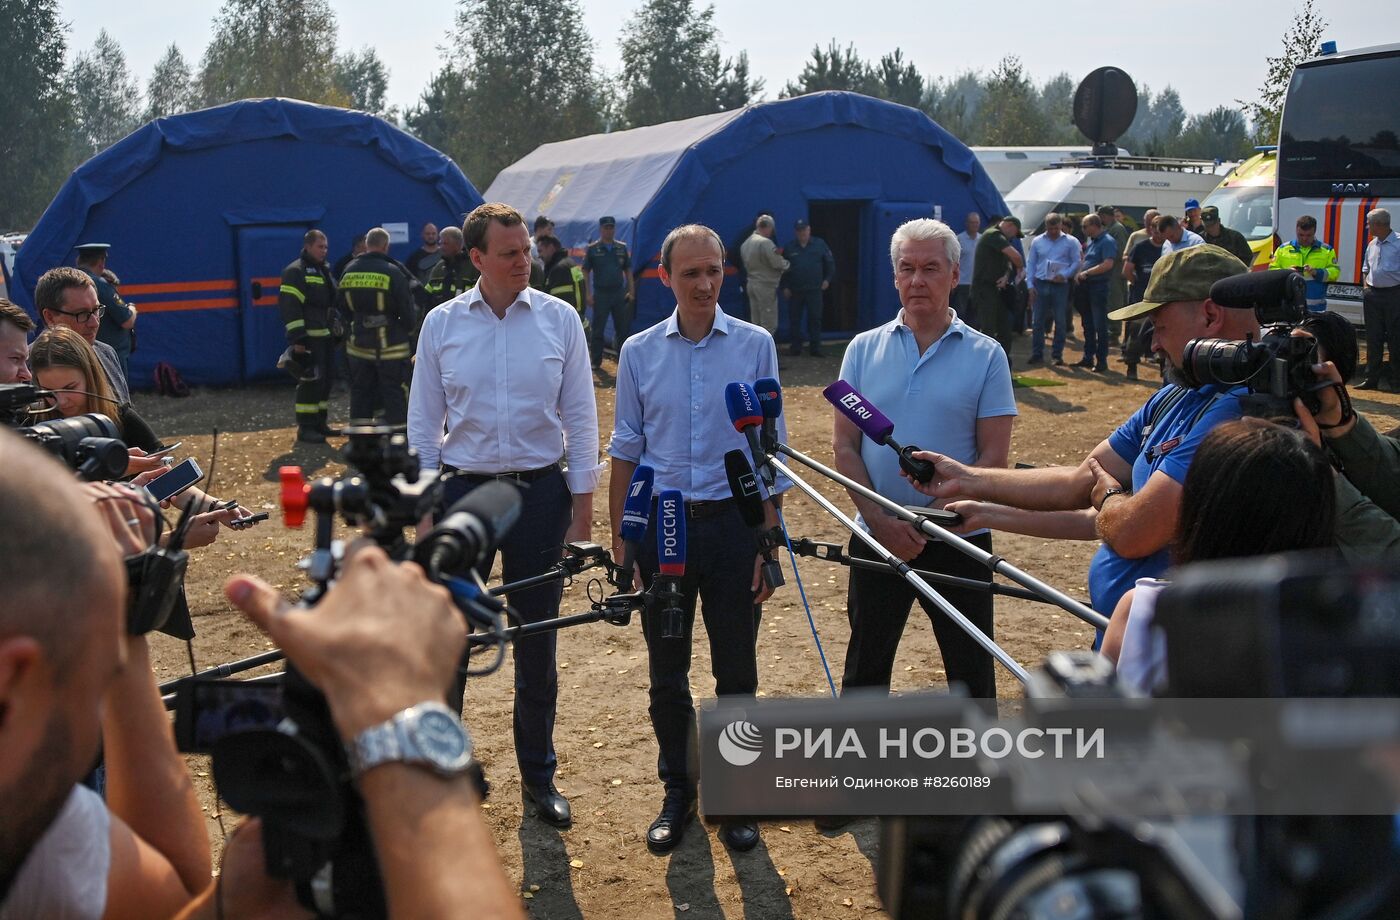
(833, 552)
(902, 568)
(928, 528)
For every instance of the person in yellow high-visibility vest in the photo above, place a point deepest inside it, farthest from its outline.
(375, 295)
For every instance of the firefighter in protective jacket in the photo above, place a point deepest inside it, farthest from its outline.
(306, 301)
(375, 295)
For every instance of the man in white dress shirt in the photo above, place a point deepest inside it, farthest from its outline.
(504, 370)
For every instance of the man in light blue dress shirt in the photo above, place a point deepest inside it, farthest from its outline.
(671, 416)
(940, 382)
(1053, 261)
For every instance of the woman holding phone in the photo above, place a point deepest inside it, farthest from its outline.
(64, 362)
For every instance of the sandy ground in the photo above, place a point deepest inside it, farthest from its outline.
(607, 755)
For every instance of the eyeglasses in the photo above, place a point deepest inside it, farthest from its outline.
(84, 316)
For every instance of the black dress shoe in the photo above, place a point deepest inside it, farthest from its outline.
(739, 836)
(1087, 362)
(666, 831)
(827, 823)
(552, 808)
(1370, 383)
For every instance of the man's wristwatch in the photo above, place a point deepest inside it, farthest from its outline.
(428, 735)
(1116, 490)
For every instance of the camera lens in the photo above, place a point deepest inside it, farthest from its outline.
(1221, 361)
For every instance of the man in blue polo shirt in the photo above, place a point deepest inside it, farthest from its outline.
(945, 386)
(1147, 456)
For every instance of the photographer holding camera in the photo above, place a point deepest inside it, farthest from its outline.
(70, 677)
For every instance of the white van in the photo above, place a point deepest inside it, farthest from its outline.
(1132, 183)
(1007, 166)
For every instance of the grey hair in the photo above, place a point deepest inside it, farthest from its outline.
(925, 228)
(378, 238)
(764, 220)
(1380, 216)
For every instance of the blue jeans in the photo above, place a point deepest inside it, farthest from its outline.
(1096, 334)
(1051, 300)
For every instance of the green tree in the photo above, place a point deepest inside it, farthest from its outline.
(956, 104)
(898, 80)
(671, 65)
(106, 97)
(171, 89)
(486, 108)
(1220, 134)
(1157, 127)
(1010, 114)
(36, 109)
(832, 68)
(362, 77)
(272, 48)
(1265, 111)
(736, 87)
(1057, 109)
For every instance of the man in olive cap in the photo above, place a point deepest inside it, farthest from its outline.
(1127, 492)
(1217, 234)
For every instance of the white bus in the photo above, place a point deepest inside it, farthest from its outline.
(1339, 155)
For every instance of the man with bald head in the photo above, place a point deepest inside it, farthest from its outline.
(64, 657)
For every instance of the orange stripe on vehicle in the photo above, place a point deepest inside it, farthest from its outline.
(1365, 205)
(1329, 222)
(177, 287)
(171, 306)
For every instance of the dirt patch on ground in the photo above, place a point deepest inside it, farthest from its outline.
(607, 755)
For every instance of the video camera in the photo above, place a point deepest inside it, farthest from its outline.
(1298, 626)
(1278, 367)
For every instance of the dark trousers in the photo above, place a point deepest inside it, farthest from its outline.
(606, 304)
(533, 545)
(1380, 311)
(719, 572)
(1096, 324)
(313, 396)
(1051, 303)
(961, 302)
(379, 387)
(805, 314)
(878, 605)
(990, 307)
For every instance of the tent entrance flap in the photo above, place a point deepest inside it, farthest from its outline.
(839, 223)
(263, 251)
(879, 299)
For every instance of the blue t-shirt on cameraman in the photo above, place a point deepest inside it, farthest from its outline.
(1162, 435)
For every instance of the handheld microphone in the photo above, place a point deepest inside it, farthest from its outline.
(876, 426)
(471, 529)
(636, 513)
(670, 552)
(747, 495)
(770, 400)
(746, 414)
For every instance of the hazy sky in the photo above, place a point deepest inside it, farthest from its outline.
(1212, 52)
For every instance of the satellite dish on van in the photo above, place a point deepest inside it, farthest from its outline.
(1104, 107)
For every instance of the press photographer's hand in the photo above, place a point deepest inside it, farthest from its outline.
(370, 663)
(1328, 421)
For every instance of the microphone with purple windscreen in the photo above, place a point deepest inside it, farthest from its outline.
(876, 426)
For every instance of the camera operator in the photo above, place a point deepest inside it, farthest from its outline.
(1148, 455)
(69, 676)
(435, 852)
(1244, 463)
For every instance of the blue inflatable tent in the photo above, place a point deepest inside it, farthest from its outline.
(854, 166)
(204, 210)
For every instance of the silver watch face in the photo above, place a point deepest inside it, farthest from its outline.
(441, 739)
